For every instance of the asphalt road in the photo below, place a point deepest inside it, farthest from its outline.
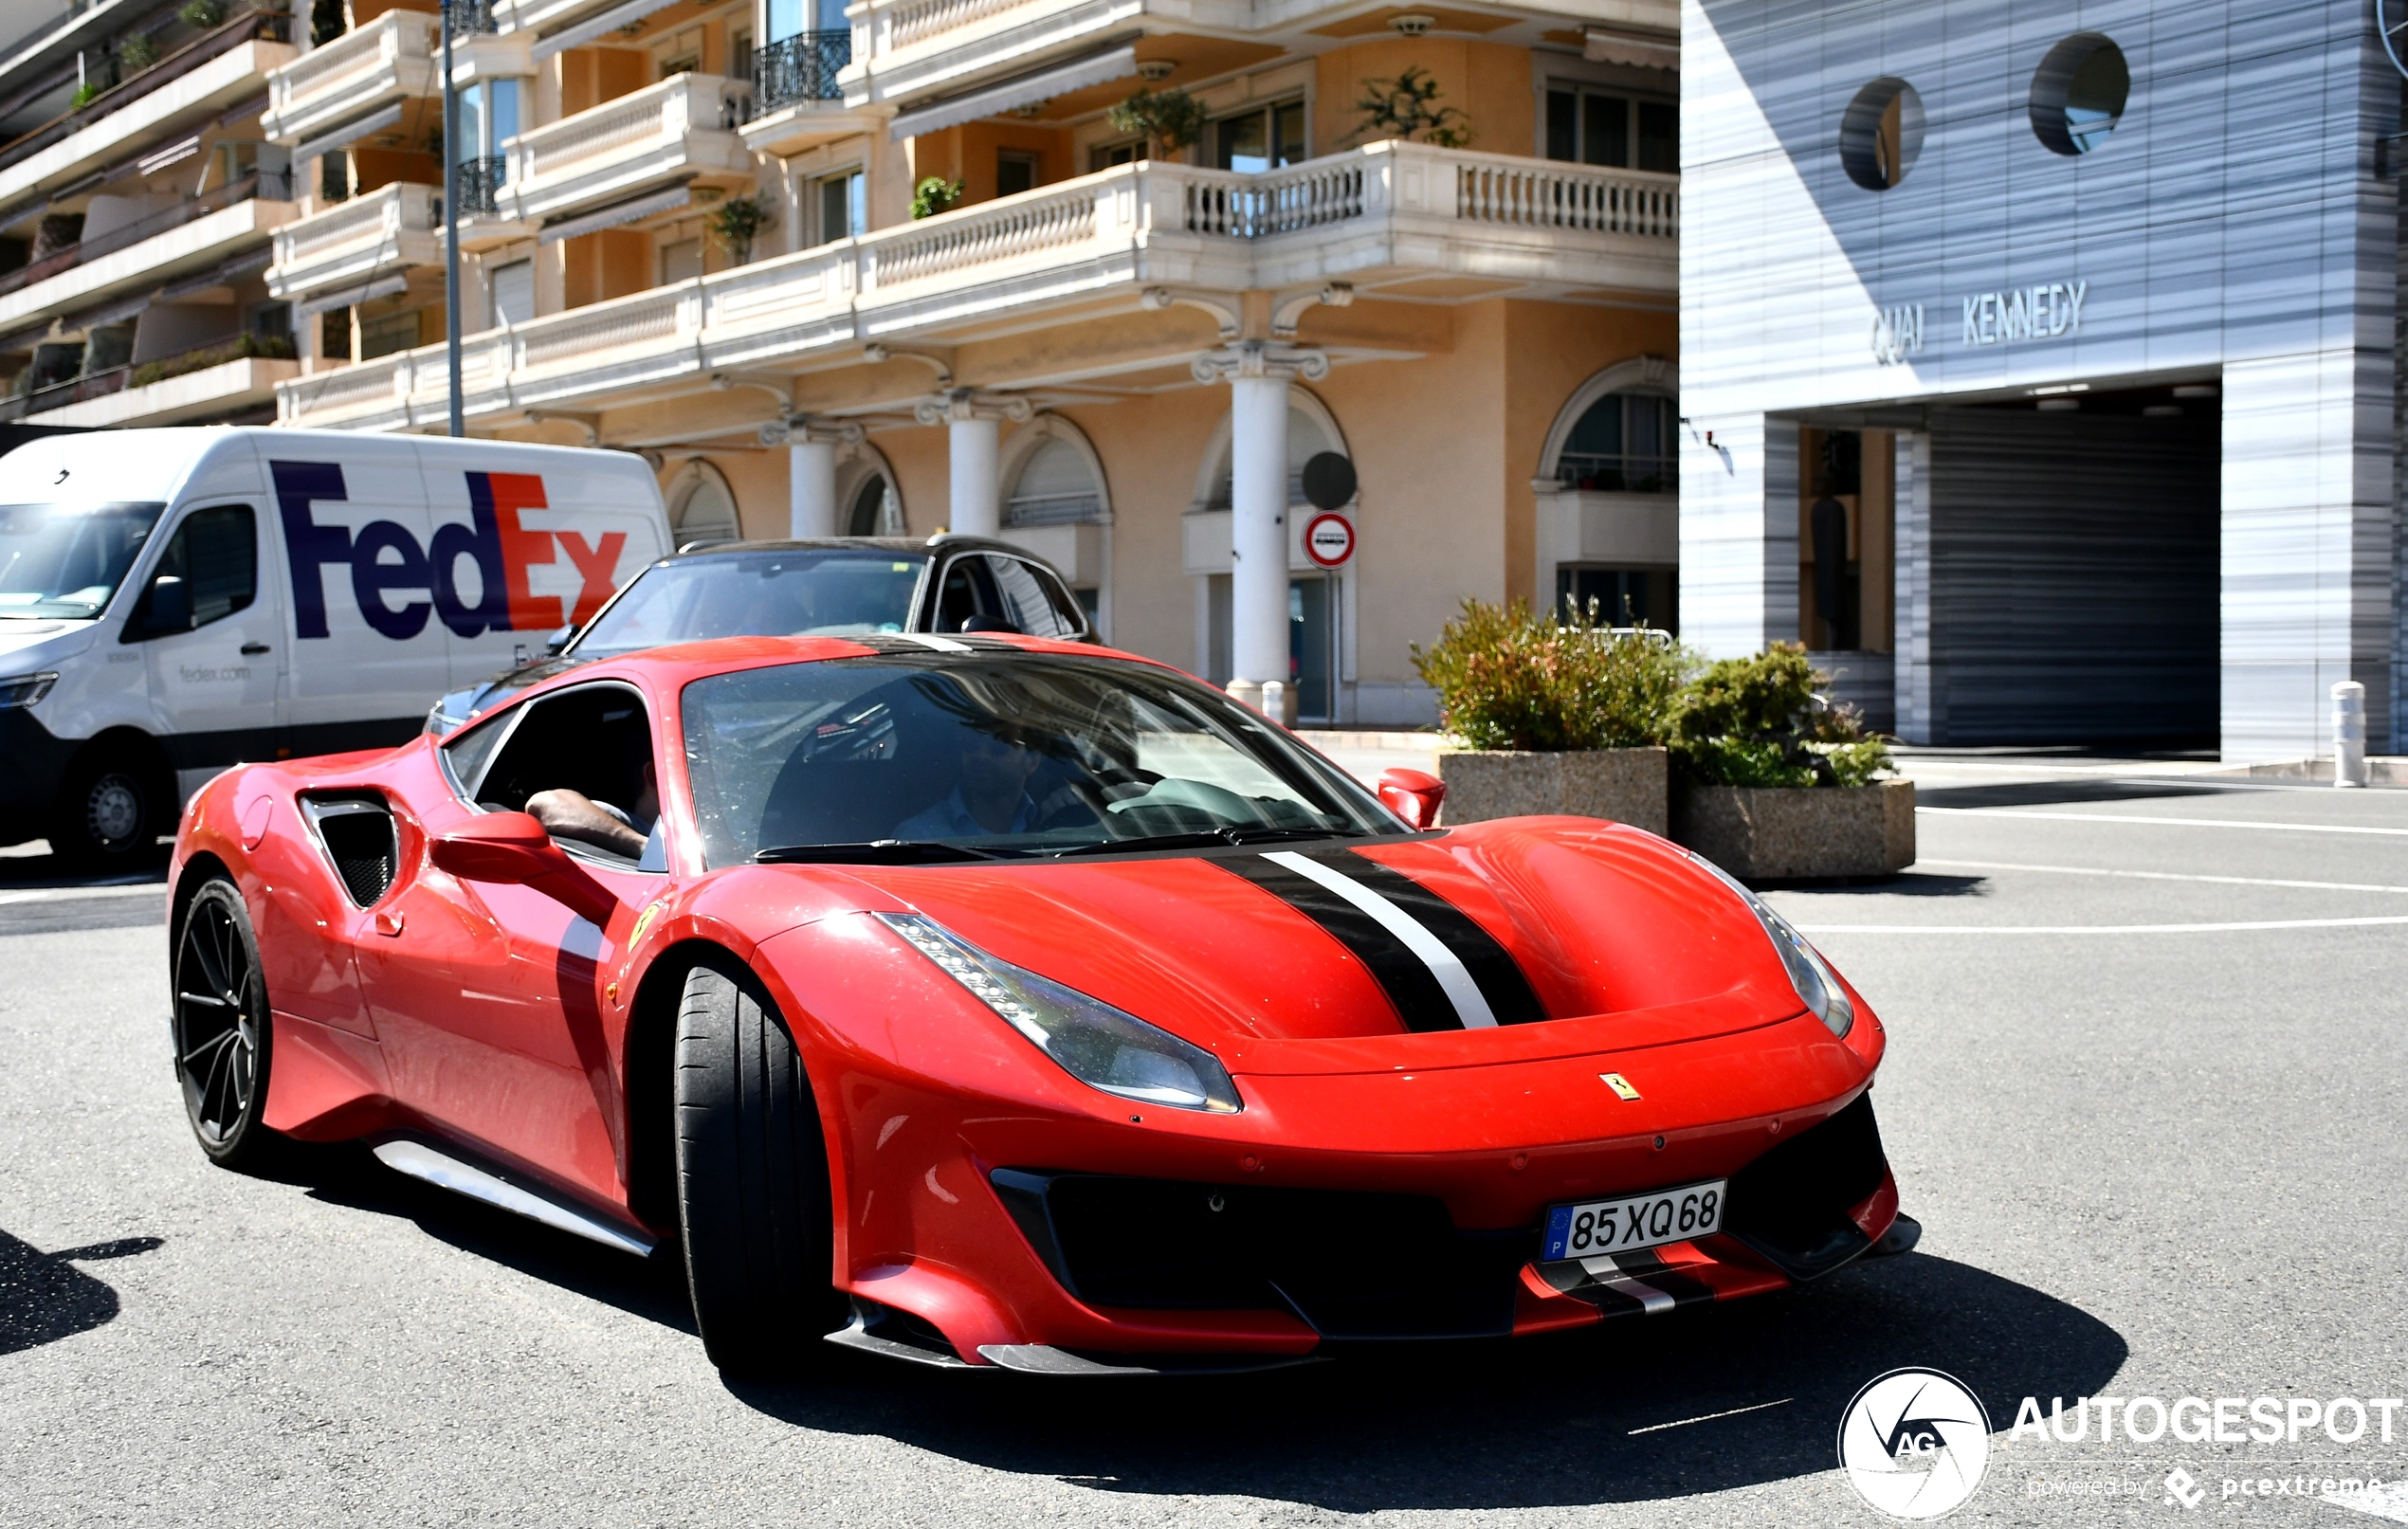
(2166, 1161)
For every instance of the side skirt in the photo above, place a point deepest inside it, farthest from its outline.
(419, 1160)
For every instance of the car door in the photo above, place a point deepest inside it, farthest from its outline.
(488, 995)
(211, 633)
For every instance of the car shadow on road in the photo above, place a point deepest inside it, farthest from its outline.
(1904, 884)
(43, 1296)
(1623, 1413)
(344, 1174)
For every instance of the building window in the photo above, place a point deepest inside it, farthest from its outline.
(1264, 138)
(1596, 127)
(2079, 92)
(513, 292)
(1620, 596)
(273, 322)
(681, 54)
(1104, 156)
(791, 18)
(1015, 171)
(1880, 134)
(739, 53)
(844, 206)
(1623, 443)
(383, 335)
(1056, 487)
(334, 176)
(875, 511)
(702, 507)
(681, 261)
(334, 335)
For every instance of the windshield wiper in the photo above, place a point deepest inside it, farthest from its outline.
(1214, 839)
(876, 852)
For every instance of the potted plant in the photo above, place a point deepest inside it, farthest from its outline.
(1779, 784)
(1555, 716)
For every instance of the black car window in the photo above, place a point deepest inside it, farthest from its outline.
(968, 592)
(216, 552)
(1025, 602)
(795, 592)
(594, 740)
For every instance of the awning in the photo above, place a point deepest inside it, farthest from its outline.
(349, 297)
(158, 159)
(349, 133)
(611, 217)
(236, 113)
(1600, 45)
(224, 271)
(1023, 90)
(586, 32)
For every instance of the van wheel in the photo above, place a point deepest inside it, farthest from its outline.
(111, 811)
(752, 1180)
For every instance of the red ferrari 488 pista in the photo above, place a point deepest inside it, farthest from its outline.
(994, 1001)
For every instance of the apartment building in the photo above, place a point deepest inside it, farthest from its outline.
(139, 196)
(688, 230)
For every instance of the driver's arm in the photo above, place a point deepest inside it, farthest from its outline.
(567, 815)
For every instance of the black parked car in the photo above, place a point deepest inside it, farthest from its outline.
(842, 585)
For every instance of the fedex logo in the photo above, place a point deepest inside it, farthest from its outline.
(385, 560)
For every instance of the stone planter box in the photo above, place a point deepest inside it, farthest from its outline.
(1627, 784)
(1773, 834)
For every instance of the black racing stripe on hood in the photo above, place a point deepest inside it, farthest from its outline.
(1501, 978)
(1419, 1001)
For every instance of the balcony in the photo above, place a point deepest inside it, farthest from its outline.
(150, 252)
(123, 398)
(157, 106)
(680, 130)
(1389, 215)
(482, 223)
(908, 50)
(389, 59)
(353, 242)
(798, 102)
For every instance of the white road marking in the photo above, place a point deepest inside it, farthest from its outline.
(2178, 822)
(1461, 991)
(2164, 876)
(1708, 1417)
(2098, 929)
(55, 894)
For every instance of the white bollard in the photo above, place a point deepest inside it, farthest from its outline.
(2349, 733)
(1275, 701)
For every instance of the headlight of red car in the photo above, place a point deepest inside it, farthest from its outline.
(1815, 982)
(1092, 1041)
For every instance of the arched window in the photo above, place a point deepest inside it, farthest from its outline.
(1309, 435)
(702, 507)
(1622, 443)
(1056, 486)
(875, 511)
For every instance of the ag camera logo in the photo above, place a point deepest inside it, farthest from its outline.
(1914, 1442)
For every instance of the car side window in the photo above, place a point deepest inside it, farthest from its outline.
(968, 591)
(1025, 604)
(581, 763)
(1067, 607)
(215, 555)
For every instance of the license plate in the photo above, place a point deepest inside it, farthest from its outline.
(1596, 1228)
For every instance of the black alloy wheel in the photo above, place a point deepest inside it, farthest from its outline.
(222, 1032)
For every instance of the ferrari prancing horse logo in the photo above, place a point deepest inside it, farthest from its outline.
(1620, 1085)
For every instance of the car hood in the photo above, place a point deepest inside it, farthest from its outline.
(31, 642)
(1579, 936)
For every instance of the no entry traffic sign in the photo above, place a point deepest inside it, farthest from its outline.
(1329, 539)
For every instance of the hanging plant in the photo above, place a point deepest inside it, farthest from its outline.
(934, 195)
(737, 222)
(1170, 121)
(1406, 107)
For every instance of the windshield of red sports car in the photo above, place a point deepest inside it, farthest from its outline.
(926, 759)
(792, 592)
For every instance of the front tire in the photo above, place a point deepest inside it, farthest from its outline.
(752, 1193)
(222, 1035)
(112, 808)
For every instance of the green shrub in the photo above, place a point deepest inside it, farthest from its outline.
(84, 93)
(1757, 722)
(270, 347)
(1507, 679)
(737, 222)
(137, 53)
(1407, 107)
(1169, 120)
(203, 13)
(935, 194)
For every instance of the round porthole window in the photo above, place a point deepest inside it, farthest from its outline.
(1881, 133)
(2078, 93)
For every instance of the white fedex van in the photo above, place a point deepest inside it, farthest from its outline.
(174, 601)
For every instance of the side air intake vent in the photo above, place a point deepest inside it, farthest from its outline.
(359, 837)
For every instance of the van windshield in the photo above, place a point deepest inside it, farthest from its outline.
(795, 592)
(67, 559)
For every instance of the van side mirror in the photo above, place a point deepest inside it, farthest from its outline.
(513, 848)
(1413, 796)
(558, 640)
(170, 609)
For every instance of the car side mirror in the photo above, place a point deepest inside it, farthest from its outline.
(1413, 795)
(170, 606)
(512, 848)
(558, 640)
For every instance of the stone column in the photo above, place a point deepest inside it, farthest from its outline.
(810, 463)
(1258, 375)
(972, 422)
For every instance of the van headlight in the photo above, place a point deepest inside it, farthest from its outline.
(24, 689)
(1091, 1041)
(1817, 985)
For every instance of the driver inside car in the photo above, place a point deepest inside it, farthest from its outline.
(991, 792)
(571, 815)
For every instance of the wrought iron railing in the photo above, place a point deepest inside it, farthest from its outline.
(480, 182)
(802, 67)
(1618, 472)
